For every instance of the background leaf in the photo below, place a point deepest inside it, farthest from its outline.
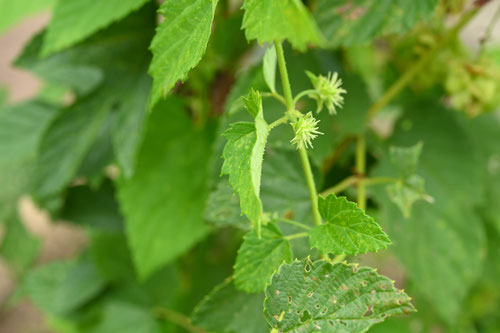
(163, 202)
(359, 21)
(228, 310)
(180, 42)
(75, 20)
(280, 20)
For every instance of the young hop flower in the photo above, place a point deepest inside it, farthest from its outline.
(328, 91)
(306, 130)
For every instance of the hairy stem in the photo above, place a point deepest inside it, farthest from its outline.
(295, 223)
(282, 120)
(311, 186)
(361, 170)
(285, 81)
(179, 319)
(344, 184)
(276, 96)
(290, 105)
(417, 67)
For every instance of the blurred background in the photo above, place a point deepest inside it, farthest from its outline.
(61, 240)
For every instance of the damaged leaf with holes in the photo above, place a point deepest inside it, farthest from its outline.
(307, 296)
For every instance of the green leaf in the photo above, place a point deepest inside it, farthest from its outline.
(441, 245)
(405, 193)
(243, 155)
(227, 310)
(359, 21)
(163, 201)
(75, 20)
(348, 230)
(180, 42)
(21, 129)
(269, 67)
(258, 258)
(111, 255)
(410, 188)
(61, 287)
(18, 247)
(223, 208)
(65, 153)
(405, 159)
(127, 318)
(119, 64)
(94, 208)
(279, 20)
(13, 11)
(311, 297)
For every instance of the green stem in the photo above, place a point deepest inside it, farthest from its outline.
(277, 96)
(351, 180)
(302, 94)
(361, 170)
(287, 90)
(295, 223)
(344, 184)
(298, 235)
(419, 66)
(179, 319)
(282, 120)
(311, 186)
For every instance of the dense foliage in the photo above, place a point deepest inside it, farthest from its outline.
(234, 163)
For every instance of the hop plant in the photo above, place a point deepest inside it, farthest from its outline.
(327, 91)
(306, 130)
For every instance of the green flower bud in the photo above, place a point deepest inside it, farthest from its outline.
(327, 91)
(306, 130)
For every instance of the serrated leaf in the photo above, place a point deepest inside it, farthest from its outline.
(13, 11)
(163, 201)
(180, 42)
(347, 229)
(269, 67)
(405, 159)
(243, 155)
(253, 103)
(359, 21)
(75, 20)
(127, 318)
(308, 297)
(258, 258)
(271, 20)
(227, 310)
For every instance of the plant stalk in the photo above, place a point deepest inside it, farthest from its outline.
(178, 319)
(290, 105)
(361, 170)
